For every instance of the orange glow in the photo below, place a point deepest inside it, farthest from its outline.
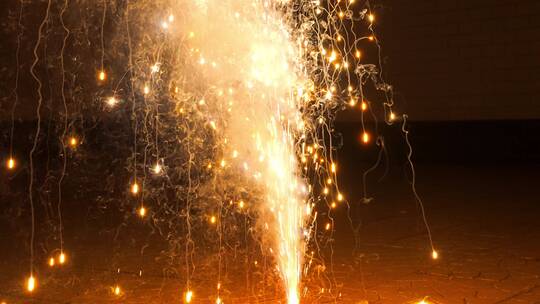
(364, 106)
(142, 211)
(51, 262)
(135, 188)
(31, 284)
(102, 76)
(365, 137)
(434, 255)
(10, 163)
(62, 258)
(73, 142)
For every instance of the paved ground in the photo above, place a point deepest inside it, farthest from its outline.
(485, 222)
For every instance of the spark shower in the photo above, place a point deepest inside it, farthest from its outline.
(225, 111)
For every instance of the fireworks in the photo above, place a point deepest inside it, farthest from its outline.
(237, 97)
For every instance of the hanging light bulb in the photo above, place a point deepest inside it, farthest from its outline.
(434, 254)
(51, 262)
(365, 137)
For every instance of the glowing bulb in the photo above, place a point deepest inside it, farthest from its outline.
(11, 163)
(333, 168)
(333, 205)
(31, 283)
(371, 18)
(51, 262)
(371, 38)
(171, 18)
(357, 54)
(341, 14)
(146, 90)
(332, 57)
(73, 141)
(365, 137)
(392, 116)
(241, 204)
(329, 181)
(189, 296)
(155, 68)
(213, 219)
(142, 211)
(117, 290)
(434, 254)
(102, 76)
(135, 188)
(62, 258)
(325, 191)
(327, 227)
(352, 102)
(340, 197)
(218, 301)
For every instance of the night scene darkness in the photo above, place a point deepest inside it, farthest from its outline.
(270, 151)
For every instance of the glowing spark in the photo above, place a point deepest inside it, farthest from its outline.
(31, 284)
(11, 163)
(142, 211)
(364, 106)
(135, 188)
(157, 168)
(102, 76)
(112, 101)
(62, 258)
(189, 296)
(365, 137)
(73, 141)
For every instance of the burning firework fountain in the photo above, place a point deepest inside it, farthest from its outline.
(246, 91)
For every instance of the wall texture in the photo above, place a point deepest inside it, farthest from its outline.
(463, 59)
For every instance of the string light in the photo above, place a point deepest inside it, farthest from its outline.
(51, 262)
(371, 18)
(111, 101)
(434, 255)
(364, 106)
(117, 291)
(157, 169)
